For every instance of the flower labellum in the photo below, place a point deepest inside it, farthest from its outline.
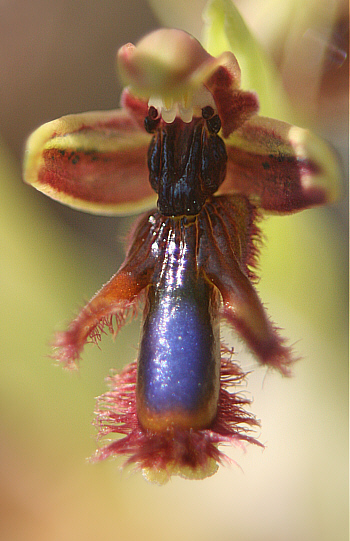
(188, 139)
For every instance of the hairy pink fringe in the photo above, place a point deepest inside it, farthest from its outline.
(68, 345)
(182, 448)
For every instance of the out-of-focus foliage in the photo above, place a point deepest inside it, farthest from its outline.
(225, 30)
(295, 489)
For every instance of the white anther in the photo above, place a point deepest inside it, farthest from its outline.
(186, 114)
(169, 115)
(185, 108)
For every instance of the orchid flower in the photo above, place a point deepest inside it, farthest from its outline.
(189, 140)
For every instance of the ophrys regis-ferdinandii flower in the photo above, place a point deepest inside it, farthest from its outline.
(189, 138)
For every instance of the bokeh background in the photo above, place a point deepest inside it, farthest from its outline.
(57, 57)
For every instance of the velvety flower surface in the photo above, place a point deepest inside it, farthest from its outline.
(189, 138)
(97, 161)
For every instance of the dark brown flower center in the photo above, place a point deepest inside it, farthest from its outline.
(186, 161)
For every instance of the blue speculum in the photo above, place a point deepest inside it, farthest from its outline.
(179, 358)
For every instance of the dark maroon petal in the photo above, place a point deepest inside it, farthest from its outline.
(280, 167)
(92, 161)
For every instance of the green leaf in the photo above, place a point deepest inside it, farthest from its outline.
(225, 30)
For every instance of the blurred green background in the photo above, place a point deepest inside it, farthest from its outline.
(57, 57)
